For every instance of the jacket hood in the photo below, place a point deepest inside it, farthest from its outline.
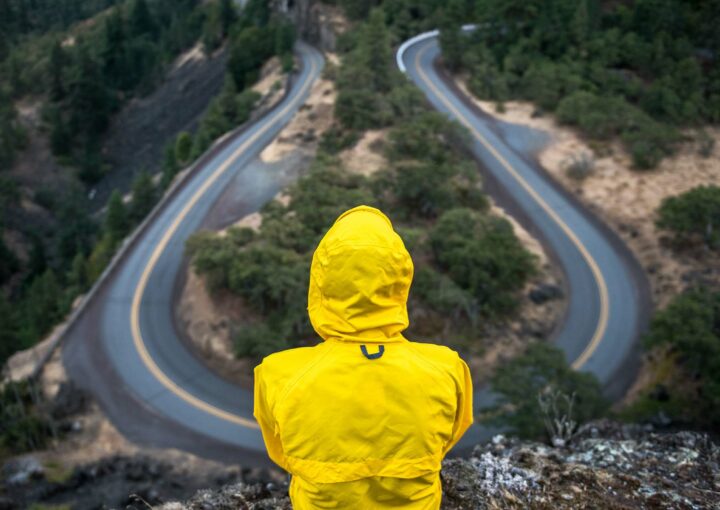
(359, 280)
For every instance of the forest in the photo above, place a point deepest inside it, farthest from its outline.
(81, 85)
(639, 71)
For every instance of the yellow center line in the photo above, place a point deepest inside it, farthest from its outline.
(142, 284)
(597, 274)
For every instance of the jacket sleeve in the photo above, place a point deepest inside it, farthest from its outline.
(268, 426)
(464, 412)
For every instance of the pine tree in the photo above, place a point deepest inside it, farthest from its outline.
(143, 196)
(9, 342)
(77, 276)
(43, 306)
(183, 146)
(140, 20)
(60, 136)
(228, 15)
(170, 165)
(89, 99)
(116, 220)
(113, 53)
(377, 52)
(56, 66)
(581, 26)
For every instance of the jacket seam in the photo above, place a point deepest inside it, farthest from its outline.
(293, 382)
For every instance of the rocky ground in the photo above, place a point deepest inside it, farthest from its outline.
(607, 466)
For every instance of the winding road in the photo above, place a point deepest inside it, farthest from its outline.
(125, 349)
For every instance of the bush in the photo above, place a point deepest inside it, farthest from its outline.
(690, 325)
(695, 213)
(22, 426)
(541, 370)
(258, 341)
(441, 294)
(482, 255)
(580, 166)
(706, 144)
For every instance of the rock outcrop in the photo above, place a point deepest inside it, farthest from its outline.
(607, 465)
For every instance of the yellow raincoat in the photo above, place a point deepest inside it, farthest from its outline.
(364, 419)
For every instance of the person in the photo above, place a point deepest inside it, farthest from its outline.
(364, 419)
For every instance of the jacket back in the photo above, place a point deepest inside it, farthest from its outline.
(365, 415)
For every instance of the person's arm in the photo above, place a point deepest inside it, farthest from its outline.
(464, 412)
(268, 426)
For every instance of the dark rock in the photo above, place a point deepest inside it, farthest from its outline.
(69, 401)
(545, 292)
(660, 393)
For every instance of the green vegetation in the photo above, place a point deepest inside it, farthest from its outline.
(87, 73)
(23, 427)
(630, 70)
(694, 214)
(430, 191)
(522, 382)
(481, 255)
(686, 334)
(371, 92)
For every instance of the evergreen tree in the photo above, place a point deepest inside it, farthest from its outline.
(99, 258)
(8, 261)
(9, 342)
(89, 99)
(143, 196)
(377, 51)
(113, 52)
(116, 220)
(228, 15)
(43, 306)
(212, 30)
(56, 67)
(11, 136)
(37, 261)
(183, 146)
(248, 51)
(170, 165)
(77, 276)
(581, 26)
(60, 136)
(140, 20)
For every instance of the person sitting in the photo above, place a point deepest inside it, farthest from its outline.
(363, 419)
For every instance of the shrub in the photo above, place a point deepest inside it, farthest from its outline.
(22, 426)
(482, 255)
(706, 144)
(580, 166)
(258, 341)
(541, 370)
(694, 213)
(690, 325)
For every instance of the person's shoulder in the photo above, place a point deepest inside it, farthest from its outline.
(288, 361)
(440, 355)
